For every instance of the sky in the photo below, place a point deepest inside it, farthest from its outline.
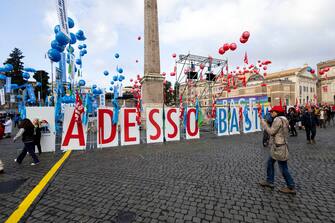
(290, 33)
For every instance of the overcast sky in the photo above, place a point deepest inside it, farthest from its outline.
(290, 33)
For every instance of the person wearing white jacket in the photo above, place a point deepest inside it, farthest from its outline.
(8, 127)
(1, 167)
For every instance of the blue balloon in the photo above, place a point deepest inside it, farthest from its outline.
(70, 22)
(111, 89)
(78, 61)
(120, 78)
(75, 69)
(80, 35)
(112, 82)
(8, 67)
(115, 78)
(18, 96)
(80, 32)
(94, 86)
(62, 38)
(106, 73)
(2, 69)
(120, 70)
(68, 61)
(2, 77)
(82, 83)
(117, 55)
(73, 39)
(26, 75)
(81, 53)
(84, 46)
(309, 69)
(56, 45)
(54, 55)
(85, 51)
(38, 84)
(80, 47)
(57, 29)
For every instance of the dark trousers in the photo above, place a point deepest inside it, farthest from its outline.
(38, 144)
(293, 130)
(30, 148)
(283, 169)
(310, 132)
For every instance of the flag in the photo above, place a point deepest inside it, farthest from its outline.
(246, 58)
(79, 108)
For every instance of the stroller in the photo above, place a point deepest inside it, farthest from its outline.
(266, 136)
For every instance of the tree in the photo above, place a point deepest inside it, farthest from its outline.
(168, 94)
(42, 77)
(15, 59)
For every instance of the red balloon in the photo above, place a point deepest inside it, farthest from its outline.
(164, 82)
(265, 68)
(131, 79)
(242, 40)
(174, 55)
(139, 38)
(321, 72)
(163, 74)
(221, 51)
(245, 35)
(263, 84)
(326, 69)
(264, 74)
(210, 57)
(259, 61)
(202, 66)
(173, 74)
(312, 71)
(233, 46)
(237, 67)
(226, 46)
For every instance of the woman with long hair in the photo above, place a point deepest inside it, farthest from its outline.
(37, 135)
(26, 131)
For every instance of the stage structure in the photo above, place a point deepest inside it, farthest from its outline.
(198, 70)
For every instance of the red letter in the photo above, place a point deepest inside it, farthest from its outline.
(192, 110)
(169, 119)
(128, 124)
(154, 123)
(69, 135)
(101, 126)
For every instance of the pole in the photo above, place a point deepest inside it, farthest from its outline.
(52, 79)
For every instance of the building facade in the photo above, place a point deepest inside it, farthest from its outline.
(326, 83)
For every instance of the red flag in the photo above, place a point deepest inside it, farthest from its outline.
(79, 108)
(246, 58)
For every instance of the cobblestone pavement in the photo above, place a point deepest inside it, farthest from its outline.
(209, 180)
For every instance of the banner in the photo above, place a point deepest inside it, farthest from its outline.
(130, 130)
(248, 122)
(74, 132)
(192, 128)
(222, 121)
(62, 16)
(262, 99)
(172, 123)
(234, 124)
(2, 96)
(107, 134)
(8, 84)
(47, 123)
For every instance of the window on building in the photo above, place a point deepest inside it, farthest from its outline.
(300, 90)
(311, 89)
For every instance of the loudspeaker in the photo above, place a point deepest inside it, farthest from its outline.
(210, 76)
(192, 75)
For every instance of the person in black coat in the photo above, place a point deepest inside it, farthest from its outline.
(37, 135)
(292, 118)
(310, 121)
(26, 131)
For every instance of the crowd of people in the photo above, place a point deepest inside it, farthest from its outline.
(30, 132)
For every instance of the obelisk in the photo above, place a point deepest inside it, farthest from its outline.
(152, 82)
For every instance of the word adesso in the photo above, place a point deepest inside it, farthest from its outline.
(227, 123)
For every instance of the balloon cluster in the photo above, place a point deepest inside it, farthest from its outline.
(324, 71)
(233, 46)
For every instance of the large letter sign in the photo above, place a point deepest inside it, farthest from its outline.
(130, 133)
(107, 133)
(248, 126)
(74, 132)
(172, 132)
(154, 125)
(257, 120)
(192, 129)
(222, 121)
(234, 123)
